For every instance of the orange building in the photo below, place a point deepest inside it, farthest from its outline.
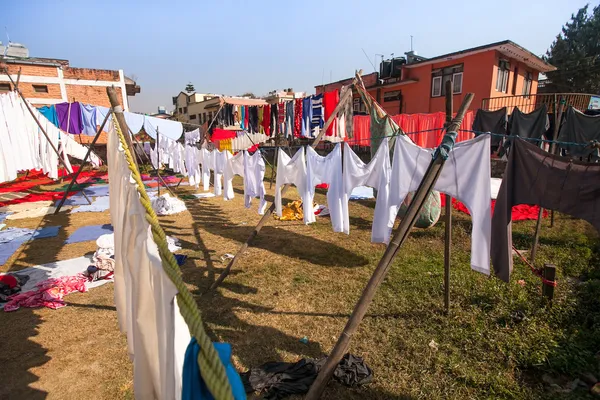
(415, 84)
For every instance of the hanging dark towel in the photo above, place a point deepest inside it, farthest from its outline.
(491, 121)
(274, 120)
(533, 176)
(580, 128)
(277, 380)
(529, 126)
(253, 119)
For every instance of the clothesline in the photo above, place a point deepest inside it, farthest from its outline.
(477, 133)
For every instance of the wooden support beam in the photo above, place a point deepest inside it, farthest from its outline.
(549, 274)
(87, 155)
(412, 214)
(448, 210)
(267, 215)
(120, 117)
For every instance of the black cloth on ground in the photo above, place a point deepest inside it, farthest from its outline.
(580, 128)
(491, 121)
(277, 380)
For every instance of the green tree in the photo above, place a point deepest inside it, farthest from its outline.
(576, 54)
(190, 88)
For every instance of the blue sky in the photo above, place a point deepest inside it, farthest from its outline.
(232, 47)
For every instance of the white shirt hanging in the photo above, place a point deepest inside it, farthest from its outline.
(328, 170)
(465, 176)
(376, 174)
(293, 171)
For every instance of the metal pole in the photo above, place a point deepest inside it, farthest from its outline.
(64, 198)
(265, 217)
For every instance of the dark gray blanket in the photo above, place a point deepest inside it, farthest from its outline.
(580, 128)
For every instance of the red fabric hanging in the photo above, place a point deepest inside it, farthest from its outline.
(520, 212)
(246, 115)
(267, 119)
(298, 118)
(222, 134)
(362, 131)
(429, 127)
(330, 101)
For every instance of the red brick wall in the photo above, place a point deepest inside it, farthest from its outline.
(95, 95)
(29, 92)
(90, 74)
(34, 70)
(369, 80)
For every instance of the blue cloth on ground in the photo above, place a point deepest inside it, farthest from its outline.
(96, 190)
(180, 259)
(362, 193)
(50, 113)
(45, 232)
(12, 238)
(75, 200)
(3, 216)
(87, 233)
(100, 204)
(194, 388)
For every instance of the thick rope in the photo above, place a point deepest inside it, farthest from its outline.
(211, 367)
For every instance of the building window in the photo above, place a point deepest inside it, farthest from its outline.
(502, 78)
(180, 110)
(392, 96)
(515, 79)
(527, 83)
(193, 116)
(5, 87)
(358, 107)
(40, 88)
(185, 110)
(440, 76)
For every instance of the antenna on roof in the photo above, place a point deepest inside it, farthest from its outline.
(372, 65)
(8, 38)
(411, 42)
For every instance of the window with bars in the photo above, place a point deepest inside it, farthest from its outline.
(392, 96)
(358, 107)
(502, 77)
(440, 76)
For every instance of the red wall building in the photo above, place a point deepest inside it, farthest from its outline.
(417, 84)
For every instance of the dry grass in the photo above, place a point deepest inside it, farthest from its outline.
(298, 281)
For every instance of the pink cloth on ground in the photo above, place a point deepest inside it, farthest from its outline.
(49, 293)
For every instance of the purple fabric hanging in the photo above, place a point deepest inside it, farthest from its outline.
(74, 120)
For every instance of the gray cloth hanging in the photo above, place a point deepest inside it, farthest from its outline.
(580, 128)
(491, 121)
(530, 126)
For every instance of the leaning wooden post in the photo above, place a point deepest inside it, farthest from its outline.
(265, 217)
(549, 275)
(412, 214)
(448, 210)
(62, 201)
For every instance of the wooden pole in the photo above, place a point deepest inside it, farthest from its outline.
(554, 149)
(18, 79)
(412, 214)
(64, 198)
(265, 217)
(448, 209)
(536, 235)
(158, 159)
(549, 274)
